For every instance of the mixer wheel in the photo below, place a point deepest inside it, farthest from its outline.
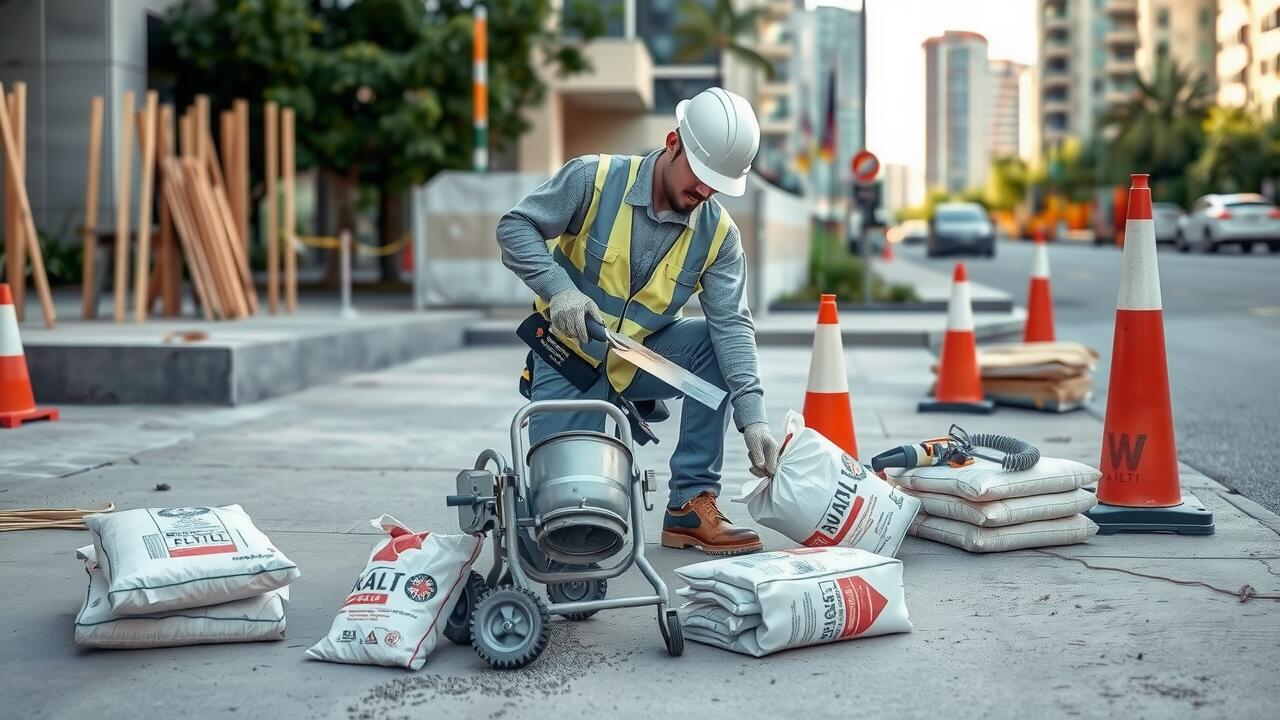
(458, 627)
(576, 591)
(509, 627)
(672, 634)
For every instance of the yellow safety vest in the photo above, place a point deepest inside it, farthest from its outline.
(598, 259)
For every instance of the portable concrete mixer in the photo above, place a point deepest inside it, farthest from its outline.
(572, 502)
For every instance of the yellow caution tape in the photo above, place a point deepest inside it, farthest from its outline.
(325, 242)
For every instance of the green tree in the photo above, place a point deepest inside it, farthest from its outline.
(1007, 183)
(382, 87)
(721, 28)
(1238, 154)
(1160, 131)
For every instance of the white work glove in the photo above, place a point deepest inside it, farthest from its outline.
(762, 449)
(569, 311)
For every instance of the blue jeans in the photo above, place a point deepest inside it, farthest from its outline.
(699, 453)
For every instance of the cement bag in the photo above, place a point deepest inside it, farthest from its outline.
(399, 605)
(822, 497)
(158, 559)
(734, 600)
(252, 619)
(1041, 533)
(1010, 511)
(984, 480)
(711, 616)
(807, 596)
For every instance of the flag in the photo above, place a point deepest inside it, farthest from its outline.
(828, 149)
(804, 156)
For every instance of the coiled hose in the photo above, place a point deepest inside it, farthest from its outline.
(1019, 454)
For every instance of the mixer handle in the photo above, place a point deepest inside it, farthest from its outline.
(461, 500)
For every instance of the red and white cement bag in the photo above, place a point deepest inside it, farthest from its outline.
(158, 559)
(399, 605)
(807, 596)
(252, 619)
(822, 497)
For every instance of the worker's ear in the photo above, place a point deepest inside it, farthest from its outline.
(674, 146)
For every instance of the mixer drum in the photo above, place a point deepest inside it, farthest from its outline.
(580, 494)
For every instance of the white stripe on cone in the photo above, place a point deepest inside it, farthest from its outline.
(1140, 276)
(959, 310)
(10, 343)
(1040, 265)
(826, 367)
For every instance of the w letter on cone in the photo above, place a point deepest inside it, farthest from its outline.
(1140, 489)
(17, 404)
(1039, 327)
(959, 381)
(827, 406)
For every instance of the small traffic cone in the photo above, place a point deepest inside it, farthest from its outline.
(1039, 327)
(827, 406)
(959, 387)
(886, 253)
(1140, 489)
(17, 404)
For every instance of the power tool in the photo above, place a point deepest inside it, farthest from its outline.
(956, 449)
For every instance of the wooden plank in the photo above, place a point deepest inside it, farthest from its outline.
(203, 145)
(220, 245)
(290, 222)
(142, 270)
(168, 258)
(124, 167)
(188, 132)
(225, 224)
(175, 196)
(227, 148)
(88, 290)
(240, 201)
(207, 237)
(15, 256)
(25, 218)
(11, 257)
(271, 167)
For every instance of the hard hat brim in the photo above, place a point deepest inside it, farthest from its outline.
(731, 186)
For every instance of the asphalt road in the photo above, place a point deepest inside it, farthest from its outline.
(1222, 334)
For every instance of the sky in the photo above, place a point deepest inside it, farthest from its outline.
(895, 59)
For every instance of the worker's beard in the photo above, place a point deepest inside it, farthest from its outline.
(681, 202)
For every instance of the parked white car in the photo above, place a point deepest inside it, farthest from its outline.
(1167, 217)
(1243, 219)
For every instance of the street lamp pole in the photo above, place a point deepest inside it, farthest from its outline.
(480, 86)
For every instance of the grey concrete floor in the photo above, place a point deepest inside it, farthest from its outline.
(1222, 334)
(1021, 634)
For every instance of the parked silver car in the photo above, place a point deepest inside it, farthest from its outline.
(961, 227)
(1243, 219)
(1167, 217)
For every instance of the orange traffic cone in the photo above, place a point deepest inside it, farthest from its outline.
(17, 404)
(959, 382)
(1039, 327)
(886, 253)
(827, 407)
(1140, 489)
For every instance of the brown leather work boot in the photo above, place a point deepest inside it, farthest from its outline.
(700, 524)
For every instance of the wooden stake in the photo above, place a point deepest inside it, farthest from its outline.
(272, 223)
(203, 145)
(142, 270)
(25, 218)
(290, 223)
(227, 150)
(225, 224)
(201, 210)
(124, 166)
(240, 200)
(88, 290)
(175, 194)
(16, 272)
(168, 258)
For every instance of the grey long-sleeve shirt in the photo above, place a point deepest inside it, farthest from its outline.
(560, 204)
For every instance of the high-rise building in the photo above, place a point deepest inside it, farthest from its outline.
(902, 187)
(1181, 31)
(773, 97)
(1005, 115)
(957, 75)
(1248, 64)
(1070, 69)
(828, 41)
(1121, 43)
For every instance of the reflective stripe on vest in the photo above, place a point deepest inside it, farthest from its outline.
(598, 260)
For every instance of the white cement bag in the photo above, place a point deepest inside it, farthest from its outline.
(158, 559)
(985, 480)
(713, 617)
(738, 602)
(1010, 511)
(807, 596)
(398, 607)
(1041, 533)
(822, 497)
(249, 620)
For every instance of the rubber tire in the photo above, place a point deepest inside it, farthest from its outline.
(596, 590)
(672, 633)
(1181, 243)
(1209, 245)
(530, 609)
(458, 626)
(1274, 246)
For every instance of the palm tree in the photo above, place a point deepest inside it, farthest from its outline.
(702, 30)
(1238, 155)
(1160, 130)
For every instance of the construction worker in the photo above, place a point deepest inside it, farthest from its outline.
(634, 238)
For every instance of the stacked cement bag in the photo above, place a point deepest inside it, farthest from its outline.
(984, 508)
(1053, 377)
(767, 602)
(160, 577)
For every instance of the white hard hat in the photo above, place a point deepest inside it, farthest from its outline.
(721, 137)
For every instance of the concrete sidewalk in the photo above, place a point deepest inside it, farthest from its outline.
(1021, 634)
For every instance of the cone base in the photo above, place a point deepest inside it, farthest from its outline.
(14, 419)
(1189, 518)
(982, 407)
